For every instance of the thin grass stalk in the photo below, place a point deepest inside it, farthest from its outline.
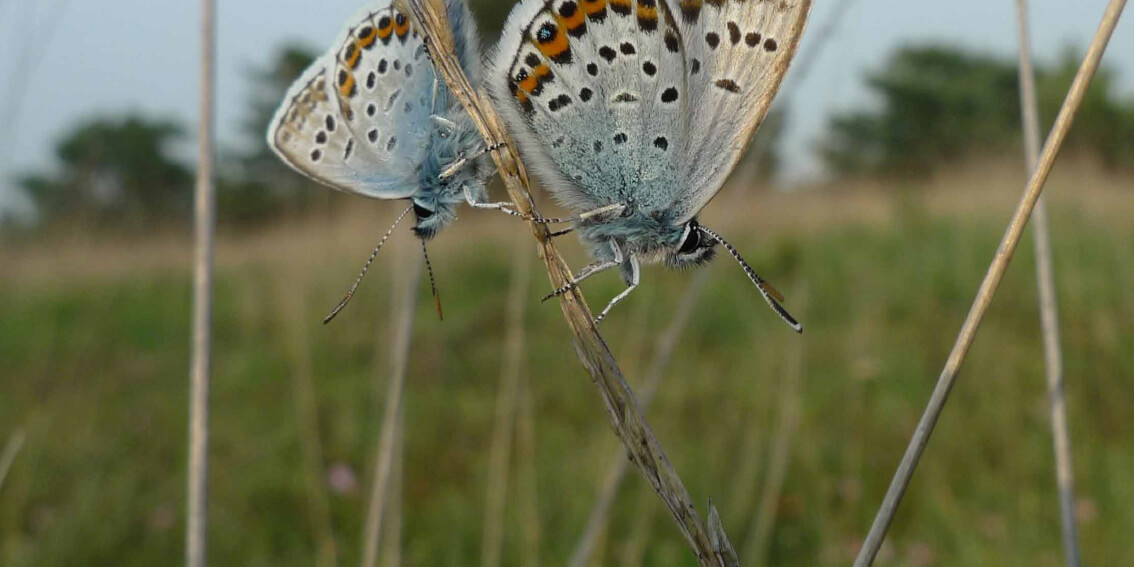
(634, 554)
(626, 418)
(756, 545)
(990, 284)
(205, 222)
(392, 527)
(11, 451)
(663, 353)
(506, 401)
(306, 409)
(1049, 307)
(528, 484)
(402, 332)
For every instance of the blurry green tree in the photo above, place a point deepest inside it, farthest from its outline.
(118, 170)
(255, 185)
(938, 105)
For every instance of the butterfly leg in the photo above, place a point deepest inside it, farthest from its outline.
(463, 161)
(588, 271)
(632, 284)
(616, 208)
(503, 206)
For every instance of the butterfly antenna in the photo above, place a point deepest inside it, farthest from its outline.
(366, 266)
(432, 282)
(771, 295)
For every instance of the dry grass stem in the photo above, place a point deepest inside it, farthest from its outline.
(402, 331)
(205, 223)
(1049, 308)
(11, 450)
(291, 304)
(622, 408)
(634, 552)
(990, 284)
(528, 487)
(663, 353)
(392, 527)
(756, 545)
(506, 401)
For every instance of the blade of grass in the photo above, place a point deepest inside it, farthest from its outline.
(1049, 308)
(506, 400)
(11, 450)
(411, 266)
(756, 545)
(626, 418)
(663, 353)
(392, 527)
(634, 554)
(306, 407)
(528, 486)
(204, 227)
(989, 286)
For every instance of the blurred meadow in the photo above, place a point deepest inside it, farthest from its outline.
(879, 257)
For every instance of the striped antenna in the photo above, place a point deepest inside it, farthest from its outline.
(432, 282)
(366, 266)
(771, 295)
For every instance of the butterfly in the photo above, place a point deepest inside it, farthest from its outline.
(370, 117)
(635, 112)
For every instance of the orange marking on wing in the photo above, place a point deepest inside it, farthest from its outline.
(624, 4)
(532, 81)
(346, 89)
(355, 55)
(556, 47)
(577, 19)
(368, 39)
(403, 28)
(647, 12)
(385, 32)
(593, 6)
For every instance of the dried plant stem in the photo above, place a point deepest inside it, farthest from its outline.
(392, 527)
(989, 286)
(506, 401)
(756, 546)
(528, 486)
(643, 447)
(11, 450)
(663, 353)
(307, 421)
(402, 332)
(205, 211)
(635, 551)
(1049, 308)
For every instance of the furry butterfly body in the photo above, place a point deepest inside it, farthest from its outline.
(641, 109)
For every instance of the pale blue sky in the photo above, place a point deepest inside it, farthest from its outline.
(96, 57)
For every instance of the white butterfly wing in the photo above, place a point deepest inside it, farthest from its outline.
(737, 53)
(358, 119)
(592, 89)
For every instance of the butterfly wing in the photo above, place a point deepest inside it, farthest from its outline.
(737, 53)
(358, 119)
(592, 91)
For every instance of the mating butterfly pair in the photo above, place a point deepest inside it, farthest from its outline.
(633, 113)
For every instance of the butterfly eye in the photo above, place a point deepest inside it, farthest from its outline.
(421, 212)
(692, 241)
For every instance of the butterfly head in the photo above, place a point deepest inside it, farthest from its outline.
(693, 249)
(431, 216)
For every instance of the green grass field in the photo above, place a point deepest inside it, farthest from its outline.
(94, 337)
